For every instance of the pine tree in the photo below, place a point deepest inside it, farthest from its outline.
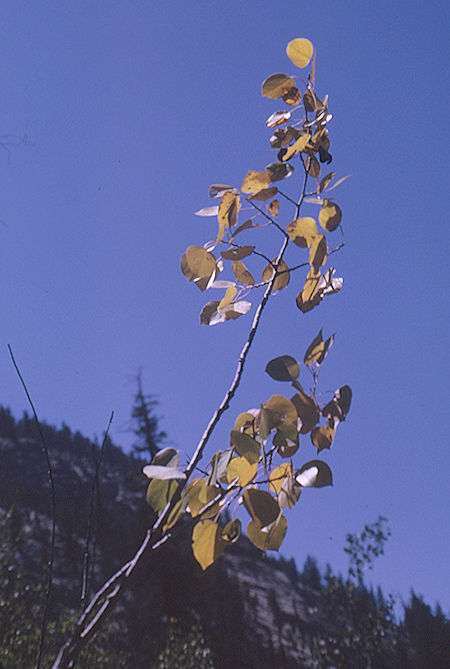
(145, 423)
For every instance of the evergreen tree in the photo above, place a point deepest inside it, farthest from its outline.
(145, 423)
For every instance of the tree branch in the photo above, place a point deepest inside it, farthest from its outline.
(48, 590)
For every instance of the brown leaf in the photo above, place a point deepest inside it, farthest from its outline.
(274, 208)
(277, 85)
(264, 194)
(242, 274)
(292, 97)
(237, 253)
(279, 171)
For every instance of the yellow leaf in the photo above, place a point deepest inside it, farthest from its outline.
(269, 539)
(283, 275)
(277, 85)
(278, 475)
(200, 262)
(314, 167)
(318, 253)
(297, 147)
(255, 181)
(300, 51)
(231, 292)
(160, 492)
(207, 544)
(322, 437)
(245, 422)
(280, 411)
(302, 231)
(264, 194)
(242, 274)
(330, 215)
(314, 350)
(309, 296)
(199, 495)
(240, 468)
(228, 212)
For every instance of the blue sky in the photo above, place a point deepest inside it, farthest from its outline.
(129, 111)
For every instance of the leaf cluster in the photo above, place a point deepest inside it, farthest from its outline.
(301, 139)
(258, 469)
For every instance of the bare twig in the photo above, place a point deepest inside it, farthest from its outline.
(48, 590)
(94, 488)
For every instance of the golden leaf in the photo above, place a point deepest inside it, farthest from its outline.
(228, 213)
(269, 539)
(229, 295)
(278, 475)
(240, 468)
(280, 411)
(330, 215)
(302, 231)
(322, 437)
(207, 543)
(242, 274)
(300, 51)
(200, 263)
(319, 252)
(297, 147)
(283, 275)
(255, 181)
(309, 297)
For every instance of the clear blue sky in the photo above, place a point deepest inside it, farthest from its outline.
(131, 110)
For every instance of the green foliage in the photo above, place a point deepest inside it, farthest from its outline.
(185, 650)
(362, 633)
(21, 596)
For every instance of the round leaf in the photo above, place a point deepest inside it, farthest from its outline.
(255, 181)
(314, 474)
(278, 476)
(200, 262)
(280, 411)
(267, 539)
(283, 368)
(330, 215)
(302, 231)
(300, 51)
(277, 85)
(207, 544)
(245, 446)
(240, 469)
(261, 506)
